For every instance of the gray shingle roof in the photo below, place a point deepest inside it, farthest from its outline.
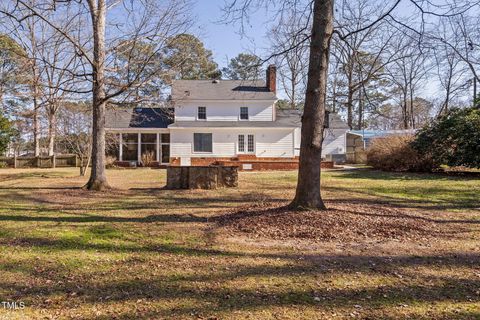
(138, 118)
(221, 90)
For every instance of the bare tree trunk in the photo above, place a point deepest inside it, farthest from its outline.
(350, 109)
(35, 120)
(35, 91)
(360, 110)
(52, 132)
(412, 110)
(294, 87)
(308, 187)
(447, 100)
(98, 178)
(334, 95)
(405, 110)
(36, 126)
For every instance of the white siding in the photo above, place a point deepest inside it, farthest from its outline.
(275, 143)
(268, 142)
(224, 110)
(333, 142)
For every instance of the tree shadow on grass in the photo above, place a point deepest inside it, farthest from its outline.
(405, 214)
(384, 175)
(86, 218)
(80, 200)
(217, 291)
(456, 202)
(42, 173)
(41, 188)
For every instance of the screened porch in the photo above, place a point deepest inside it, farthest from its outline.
(145, 148)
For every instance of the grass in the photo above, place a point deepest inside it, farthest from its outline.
(140, 252)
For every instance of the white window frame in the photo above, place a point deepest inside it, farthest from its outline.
(245, 137)
(206, 116)
(240, 114)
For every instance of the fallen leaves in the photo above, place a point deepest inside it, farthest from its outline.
(343, 221)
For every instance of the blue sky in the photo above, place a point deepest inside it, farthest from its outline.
(224, 39)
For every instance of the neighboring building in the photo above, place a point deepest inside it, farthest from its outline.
(219, 120)
(358, 141)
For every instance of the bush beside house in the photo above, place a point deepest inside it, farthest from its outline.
(395, 153)
(453, 139)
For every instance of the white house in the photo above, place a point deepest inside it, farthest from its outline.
(218, 120)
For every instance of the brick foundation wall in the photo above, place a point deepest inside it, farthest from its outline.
(126, 164)
(257, 164)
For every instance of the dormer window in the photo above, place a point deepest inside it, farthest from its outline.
(243, 113)
(202, 113)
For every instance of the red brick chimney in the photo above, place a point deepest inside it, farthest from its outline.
(272, 78)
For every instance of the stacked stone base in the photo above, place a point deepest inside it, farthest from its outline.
(202, 177)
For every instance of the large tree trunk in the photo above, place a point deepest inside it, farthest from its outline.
(52, 132)
(98, 178)
(308, 187)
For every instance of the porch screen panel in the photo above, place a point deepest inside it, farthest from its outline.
(165, 147)
(149, 145)
(130, 146)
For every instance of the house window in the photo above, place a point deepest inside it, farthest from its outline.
(202, 113)
(241, 143)
(251, 144)
(246, 143)
(243, 113)
(202, 142)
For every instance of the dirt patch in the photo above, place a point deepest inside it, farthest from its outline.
(344, 221)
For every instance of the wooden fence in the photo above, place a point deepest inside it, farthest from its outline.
(40, 162)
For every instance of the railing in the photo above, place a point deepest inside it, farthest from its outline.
(40, 162)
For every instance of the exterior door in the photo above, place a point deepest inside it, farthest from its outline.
(246, 144)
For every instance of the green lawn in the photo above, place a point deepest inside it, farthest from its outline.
(141, 252)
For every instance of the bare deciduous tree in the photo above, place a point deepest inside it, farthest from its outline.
(146, 21)
(308, 186)
(292, 64)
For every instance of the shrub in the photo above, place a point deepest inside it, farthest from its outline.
(453, 139)
(110, 162)
(395, 153)
(148, 159)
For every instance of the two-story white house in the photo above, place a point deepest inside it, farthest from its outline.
(218, 121)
